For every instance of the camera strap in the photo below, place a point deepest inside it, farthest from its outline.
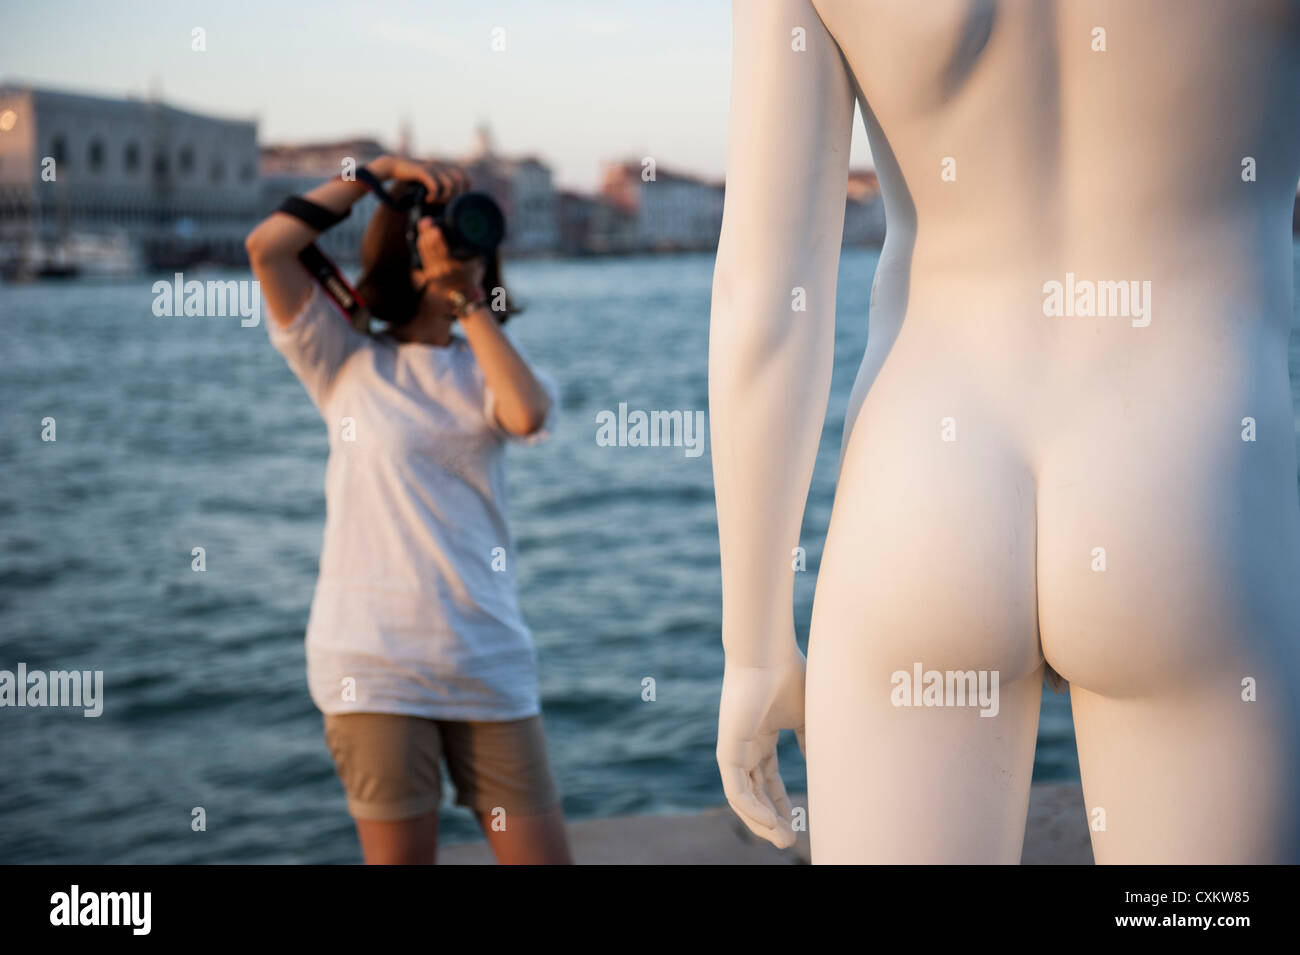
(315, 216)
(371, 182)
(328, 276)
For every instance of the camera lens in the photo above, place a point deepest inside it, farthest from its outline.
(479, 222)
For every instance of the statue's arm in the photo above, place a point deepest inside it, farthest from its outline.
(771, 343)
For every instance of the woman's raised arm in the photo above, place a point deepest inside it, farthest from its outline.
(275, 242)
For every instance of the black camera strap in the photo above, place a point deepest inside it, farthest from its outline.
(314, 215)
(371, 182)
(328, 276)
(320, 266)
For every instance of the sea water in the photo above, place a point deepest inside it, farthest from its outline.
(184, 432)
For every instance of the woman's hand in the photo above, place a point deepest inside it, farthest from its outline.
(757, 703)
(443, 182)
(442, 275)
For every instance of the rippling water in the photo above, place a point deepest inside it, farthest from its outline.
(177, 433)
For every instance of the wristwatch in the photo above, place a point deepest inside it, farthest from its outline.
(462, 304)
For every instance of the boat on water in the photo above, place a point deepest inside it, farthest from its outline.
(79, 254)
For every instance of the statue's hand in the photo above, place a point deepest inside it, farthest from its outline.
(757, 703)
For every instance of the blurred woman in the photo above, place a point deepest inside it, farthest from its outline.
(417, 653)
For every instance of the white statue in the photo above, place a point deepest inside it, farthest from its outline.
(1071, 440)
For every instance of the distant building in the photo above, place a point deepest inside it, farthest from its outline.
(660, 210)
(863, 185)
(175, 184)
(864, 213)
(323, 159)
(91, 177)
(524, 189)
(575, 214)
(295, 169)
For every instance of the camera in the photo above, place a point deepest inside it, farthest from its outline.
(472, 224)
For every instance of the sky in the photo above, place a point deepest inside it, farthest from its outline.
(579, 83)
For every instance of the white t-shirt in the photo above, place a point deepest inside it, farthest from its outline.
(415, 609)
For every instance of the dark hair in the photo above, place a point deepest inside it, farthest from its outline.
(385, 283)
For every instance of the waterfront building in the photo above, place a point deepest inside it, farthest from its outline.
(173, 184)
(524, 189)
(864, 212)
(575, 213)
(655, 209)
(295, 169)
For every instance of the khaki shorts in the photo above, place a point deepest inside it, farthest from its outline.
(391, 765)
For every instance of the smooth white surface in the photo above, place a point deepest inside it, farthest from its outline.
(1068, 433)
(408, 604)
